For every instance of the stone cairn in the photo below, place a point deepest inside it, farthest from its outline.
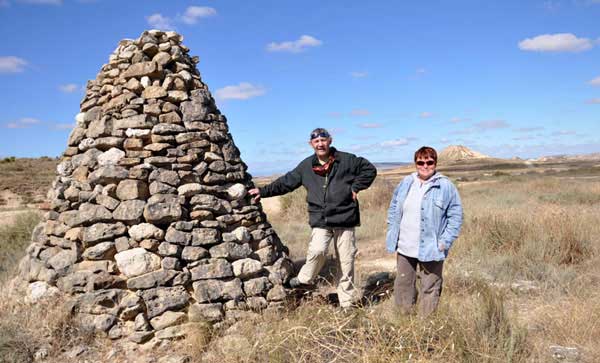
(150, 229)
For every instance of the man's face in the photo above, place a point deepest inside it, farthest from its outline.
(425, 167)
(321, 146)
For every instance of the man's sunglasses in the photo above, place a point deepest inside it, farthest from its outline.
(428, 162)
(314, 135)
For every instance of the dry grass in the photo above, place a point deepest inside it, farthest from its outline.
(14, 239)
(28, 178)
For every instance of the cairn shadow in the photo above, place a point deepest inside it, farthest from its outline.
(374, 287)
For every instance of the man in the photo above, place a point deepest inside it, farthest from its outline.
(332, 179)
(424, 219)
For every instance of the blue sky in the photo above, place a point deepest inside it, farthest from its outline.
(506, 78)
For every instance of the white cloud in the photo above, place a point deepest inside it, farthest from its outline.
(594, 101)
(68, 88)
(295, 46)
(11, 64)
(63, 126)
(595, 81)
(394, 143)
(160, 21)
(420, 71)
(42, 2)
(194, 13)
(359, 74)
(529, 129)
(561, 42)
(563, 133)
(425, 114)
(23, 123)
(360, 112)
(243, 91)
(456, 120)
(370, 125)
(491, 124)
(551, 6)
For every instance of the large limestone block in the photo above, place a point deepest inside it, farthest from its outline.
(246, 267)
(132, 189)
(163, 209)
(137, 261)
(161, 299)
(144, 231)
(216, 268)
(101, 232)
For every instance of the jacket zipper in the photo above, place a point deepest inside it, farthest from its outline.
(325, 195)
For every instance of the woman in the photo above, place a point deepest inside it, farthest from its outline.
(424, 219)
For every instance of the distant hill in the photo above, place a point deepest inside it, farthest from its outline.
(460, 152)
(390, 165)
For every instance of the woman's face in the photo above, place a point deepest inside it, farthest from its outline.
(425, 167)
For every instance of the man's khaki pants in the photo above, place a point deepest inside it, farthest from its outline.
(345, 251)
(405, 289)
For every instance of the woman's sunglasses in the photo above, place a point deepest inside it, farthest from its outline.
(428, 162)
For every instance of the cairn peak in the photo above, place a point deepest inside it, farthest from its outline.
(149, 216)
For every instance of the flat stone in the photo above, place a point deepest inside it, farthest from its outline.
(236, 191)
(167, 319)
(178, 237)
(106, 143)
(166, 249)
(191, 253)
(110, 174)
(141, 133)
(167, 129)
(136, 262)
(134, 122)
(205, 236)
(257, 286)
(141, 69)
(154, 92)
(140, 337)
(242, 234)
(161, 299)
(132, 189)
(213, 290)
(109, 203)
(206, 312)
(197, 108)
(102, 232)
(231, 251)
(162, 209)
(101, 251)
(210, 203)
(144, 231)
(177, 96)
(170, 117)
(246, 268)
(86, 215)
(151, 279)
(129, 211)
(190, 189)
(212, 269)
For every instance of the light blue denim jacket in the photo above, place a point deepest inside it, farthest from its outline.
(441, 217)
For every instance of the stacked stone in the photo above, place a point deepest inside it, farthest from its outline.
(150, 227)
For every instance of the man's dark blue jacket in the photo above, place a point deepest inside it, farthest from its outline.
(329, 197)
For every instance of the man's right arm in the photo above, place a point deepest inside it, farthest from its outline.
(282, 185)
